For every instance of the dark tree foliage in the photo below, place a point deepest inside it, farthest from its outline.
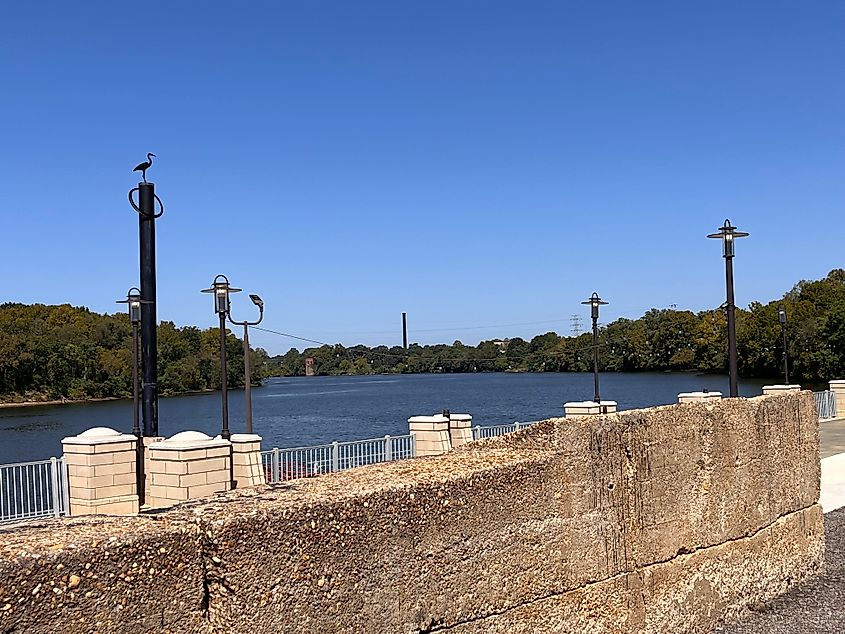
(53, 352)
(660, 340)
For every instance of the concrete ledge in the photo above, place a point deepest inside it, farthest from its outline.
(588, 408)
(697, 397)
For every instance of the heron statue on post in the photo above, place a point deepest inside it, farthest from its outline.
(143, 167)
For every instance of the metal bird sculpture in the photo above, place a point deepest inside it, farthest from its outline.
(143, 167)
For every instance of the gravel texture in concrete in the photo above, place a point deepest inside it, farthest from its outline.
(815, 606)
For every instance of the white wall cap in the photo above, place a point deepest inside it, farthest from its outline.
(781, 386)
(428, 419)
(700, 394)
(460, 416)
(245, 438)
(98, 436)
(838, 382)
(588, 403)
(189, 440)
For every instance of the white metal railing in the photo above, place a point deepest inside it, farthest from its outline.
(29, 490)
(480, 432)
(825, 404)
(305, 462)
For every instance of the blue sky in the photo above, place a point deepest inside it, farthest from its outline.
(471, 163)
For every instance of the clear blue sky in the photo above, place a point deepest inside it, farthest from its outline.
(472, 163)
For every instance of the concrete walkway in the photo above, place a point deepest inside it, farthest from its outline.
(832, 450)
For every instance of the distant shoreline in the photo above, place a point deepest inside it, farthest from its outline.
(66, 401)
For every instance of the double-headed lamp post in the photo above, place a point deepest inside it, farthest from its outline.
(728, 234)
(782, 320)
(133, 302)
(594, 302)
(221, 288)
(247, 361)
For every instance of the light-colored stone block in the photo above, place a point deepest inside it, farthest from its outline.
(101, 471)
(780, 389)
(210, 464)
(697, 397)
(589, 408)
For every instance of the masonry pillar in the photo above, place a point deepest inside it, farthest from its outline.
(699, 397)
(101, 472)
(588, 408)
(780, 389)
(187, 466)
(460, 429)
(838, 389)
(148, 440)
(246, 460)
(431, 434)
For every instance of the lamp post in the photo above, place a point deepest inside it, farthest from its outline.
(727, 234)
(782, 320)
(133, 302)
(594, 302)
(220, 288)
(247, 361)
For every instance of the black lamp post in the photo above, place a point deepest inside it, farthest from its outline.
(220, 288)
(782, 320)
(247, 361)
(594, 302)
(133, 302)
(147, 215)
(727, 234)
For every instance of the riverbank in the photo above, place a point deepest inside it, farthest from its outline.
(64, 401)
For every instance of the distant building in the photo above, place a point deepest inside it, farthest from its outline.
(309, 366)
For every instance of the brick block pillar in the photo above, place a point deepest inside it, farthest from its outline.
(588, 408)
(699, 397)
(187, 466)
(148, 440)
(246, 460)
(838, 389)
(431, 434)
(101, 472)
(780, 389)
(460, 429)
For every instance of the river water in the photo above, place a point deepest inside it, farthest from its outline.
(291, 412)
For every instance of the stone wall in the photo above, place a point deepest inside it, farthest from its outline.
(658, 520)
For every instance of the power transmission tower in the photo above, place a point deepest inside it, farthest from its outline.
(575, 322)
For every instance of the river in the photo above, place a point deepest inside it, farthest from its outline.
(290, 412)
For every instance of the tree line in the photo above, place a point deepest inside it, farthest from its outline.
(65, 352)
(55, 352)
(660, 340)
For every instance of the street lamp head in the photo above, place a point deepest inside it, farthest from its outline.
(594, 302)
(257, 300)
(727, 234)
(781, 315)
(133, 302)
(221, 289)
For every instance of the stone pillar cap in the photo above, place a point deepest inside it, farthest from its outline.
(781, 386)
(460, 416)
(701, 394)
(837, 382)
(98, 436)
(588, 403)
(189, 440)
(439, 418)
(245, 438)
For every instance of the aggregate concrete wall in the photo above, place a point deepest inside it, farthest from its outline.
(659, 520)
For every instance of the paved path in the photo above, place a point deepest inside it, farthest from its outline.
(832, 437)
